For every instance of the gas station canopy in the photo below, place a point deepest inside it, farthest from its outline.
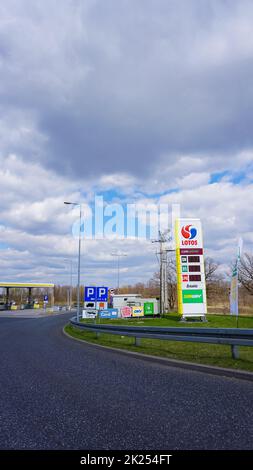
(25, 284)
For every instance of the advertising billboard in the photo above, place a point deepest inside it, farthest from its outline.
(148, 308)
(126, 312)
(109, 313)
(190, 268)
(192, 296)
(138, 311)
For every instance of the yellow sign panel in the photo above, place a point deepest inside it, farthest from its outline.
(179, 280)
(137, 311)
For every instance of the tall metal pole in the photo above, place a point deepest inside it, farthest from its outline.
(69, 293)
(118, 266)
(79, 267)
(70, 290)
(165, 283)
(118, 274)
(161, 280)
(79, 256)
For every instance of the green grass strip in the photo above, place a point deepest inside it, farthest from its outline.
(201, 353)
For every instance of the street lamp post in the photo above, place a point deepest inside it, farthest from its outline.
(118, 255)
(70, 290)
(79, 257)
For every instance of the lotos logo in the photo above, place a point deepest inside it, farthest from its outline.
(189, 232)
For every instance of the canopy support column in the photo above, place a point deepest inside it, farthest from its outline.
(29, 296)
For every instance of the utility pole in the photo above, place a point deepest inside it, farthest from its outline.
(162, 240)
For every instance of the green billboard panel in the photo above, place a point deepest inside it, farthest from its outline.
(193, 296)
(148, 308)
(184, 269)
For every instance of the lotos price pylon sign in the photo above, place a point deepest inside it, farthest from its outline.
(191, 286)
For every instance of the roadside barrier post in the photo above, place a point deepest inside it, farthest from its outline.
(235, 351)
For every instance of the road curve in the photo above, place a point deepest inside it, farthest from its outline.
(57, 393)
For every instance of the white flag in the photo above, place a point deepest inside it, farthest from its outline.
(234, 281)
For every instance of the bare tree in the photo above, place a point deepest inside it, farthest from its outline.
(171, 282)
(154, 284)
(213, 279)
(245, 272)
(210, 270)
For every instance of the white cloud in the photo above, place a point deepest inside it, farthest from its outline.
(193, 180)
(109, 97)
(36, 226)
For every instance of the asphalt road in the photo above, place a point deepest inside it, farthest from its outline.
(59, 394)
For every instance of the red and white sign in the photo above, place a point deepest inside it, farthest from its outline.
(185, 278)
(190, 234)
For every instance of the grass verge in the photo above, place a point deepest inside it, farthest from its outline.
(209, 354)
(214, 321)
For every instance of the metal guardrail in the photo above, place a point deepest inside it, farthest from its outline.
(231, 336)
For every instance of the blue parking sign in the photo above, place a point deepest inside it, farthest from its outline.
(90, 294)
(102, 294)
(93, 294)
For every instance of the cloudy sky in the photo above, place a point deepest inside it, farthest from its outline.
(137, 100)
